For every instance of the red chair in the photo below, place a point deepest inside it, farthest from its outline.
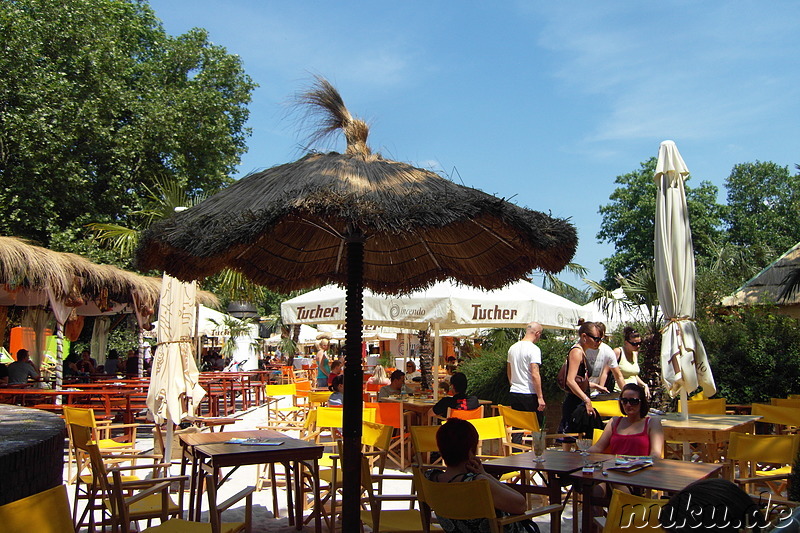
(391, 414)
(465, 414)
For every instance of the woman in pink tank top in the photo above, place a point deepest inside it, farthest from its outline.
(635, 433)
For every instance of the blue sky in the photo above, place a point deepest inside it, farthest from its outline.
(544, 103)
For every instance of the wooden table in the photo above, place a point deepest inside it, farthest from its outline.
(103, 397)
(710, 430)
(665, 475)
(421, 406)
(556, 467)
(212, 452)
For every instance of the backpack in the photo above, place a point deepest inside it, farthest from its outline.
(581, 378)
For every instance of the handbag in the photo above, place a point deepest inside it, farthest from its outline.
(581, 379)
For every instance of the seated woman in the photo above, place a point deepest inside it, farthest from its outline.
(635, 433)
(379, 376)
(337, 386)
(712, 505)
(457, 441)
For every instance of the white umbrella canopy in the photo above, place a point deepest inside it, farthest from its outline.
(175, 392)
(684, 362)
(445, 304)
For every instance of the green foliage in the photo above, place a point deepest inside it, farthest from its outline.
(629, 220)
(763, 208)
(98, 103)
(754, 355)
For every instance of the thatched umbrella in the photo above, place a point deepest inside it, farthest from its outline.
(358, 220)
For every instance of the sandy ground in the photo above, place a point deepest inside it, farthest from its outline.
(263, 517)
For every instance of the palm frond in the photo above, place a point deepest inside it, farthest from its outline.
(790, 285)
(121, 238)
(235, 286)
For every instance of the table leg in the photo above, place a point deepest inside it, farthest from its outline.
(299, 499)
(289, 497)
(586, 507)
(317, 500)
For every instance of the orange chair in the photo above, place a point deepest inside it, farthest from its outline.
(391, 414)
(466, 414)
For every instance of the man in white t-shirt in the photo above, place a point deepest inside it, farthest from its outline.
(604, 355)
(524, 359)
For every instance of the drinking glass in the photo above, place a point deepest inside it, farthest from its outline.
(583, 445)
(539, 445)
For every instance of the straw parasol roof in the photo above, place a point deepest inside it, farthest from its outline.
(286, 227)
(766, 287)
(358, 220)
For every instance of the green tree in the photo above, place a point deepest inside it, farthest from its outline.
(763, 214)
(629, 220)
(97, 103)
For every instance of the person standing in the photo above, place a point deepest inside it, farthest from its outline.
(524, 359)
(323, 365)
(601, 358)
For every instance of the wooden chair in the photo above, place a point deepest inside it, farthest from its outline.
(380, 520)
(524, 423)
(633, 513)
(467, 500)
(492, 429)
(101, 435)
(216, 525)
(44, 512)
(288, 417)
(391, 414)
(748, 454)
(423, 442)
(786, 402)
(785, 419)
(109, 488)
(706, 407)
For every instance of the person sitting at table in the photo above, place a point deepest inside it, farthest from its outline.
(459, 399)
(457, 441)
(86, 364)
(3, 375)
(635, 433)
(379, 376)
(412, 374)
(132, 364)
(337, 386)
(20, 370)
(112, 363)
(396, 386)
(336, 370)
(711, 505)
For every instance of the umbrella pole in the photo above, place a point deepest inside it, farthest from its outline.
(59, 359)
(353, 385)
(437, 354)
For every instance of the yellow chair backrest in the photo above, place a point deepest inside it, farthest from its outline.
(79, 417)
(331, 417)
(490, 428)
(466, 414)
(44, 512)
(519, 419)
(607, 407)
(794, 397)
(596, 434)
(316, 398)
(627, 512)
(786, 402)
(376, 435)
(460, 500)
(423, 438)
(706, 407)
(777, 449)
(775, 414)
(288, 389)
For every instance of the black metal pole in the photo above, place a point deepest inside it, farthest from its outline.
(353, 385)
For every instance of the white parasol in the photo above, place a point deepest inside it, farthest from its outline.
(683, 358)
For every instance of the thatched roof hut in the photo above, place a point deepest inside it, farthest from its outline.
(767, 287)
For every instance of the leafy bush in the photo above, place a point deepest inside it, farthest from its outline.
(754, 354)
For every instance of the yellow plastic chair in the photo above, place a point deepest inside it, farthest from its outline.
(468, 500)
(627, 512)
(44, 512)
(706, 407)
(607, 408)
(747, 453)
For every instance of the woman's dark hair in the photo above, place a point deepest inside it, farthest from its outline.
(585, 327)
(113, 354)
(336, 381)
(630, 333)
(455, 439)
(601, 328)
(711, 505)
(644, 405)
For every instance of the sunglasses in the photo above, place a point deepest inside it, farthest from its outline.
(596, 339)
(634, 343)
(632, 401)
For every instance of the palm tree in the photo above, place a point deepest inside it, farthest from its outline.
(163, 201)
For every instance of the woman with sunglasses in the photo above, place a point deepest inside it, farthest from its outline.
(589, 338)
(635, 433)
(628, 358)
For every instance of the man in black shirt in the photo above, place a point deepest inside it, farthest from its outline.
(459, 400)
